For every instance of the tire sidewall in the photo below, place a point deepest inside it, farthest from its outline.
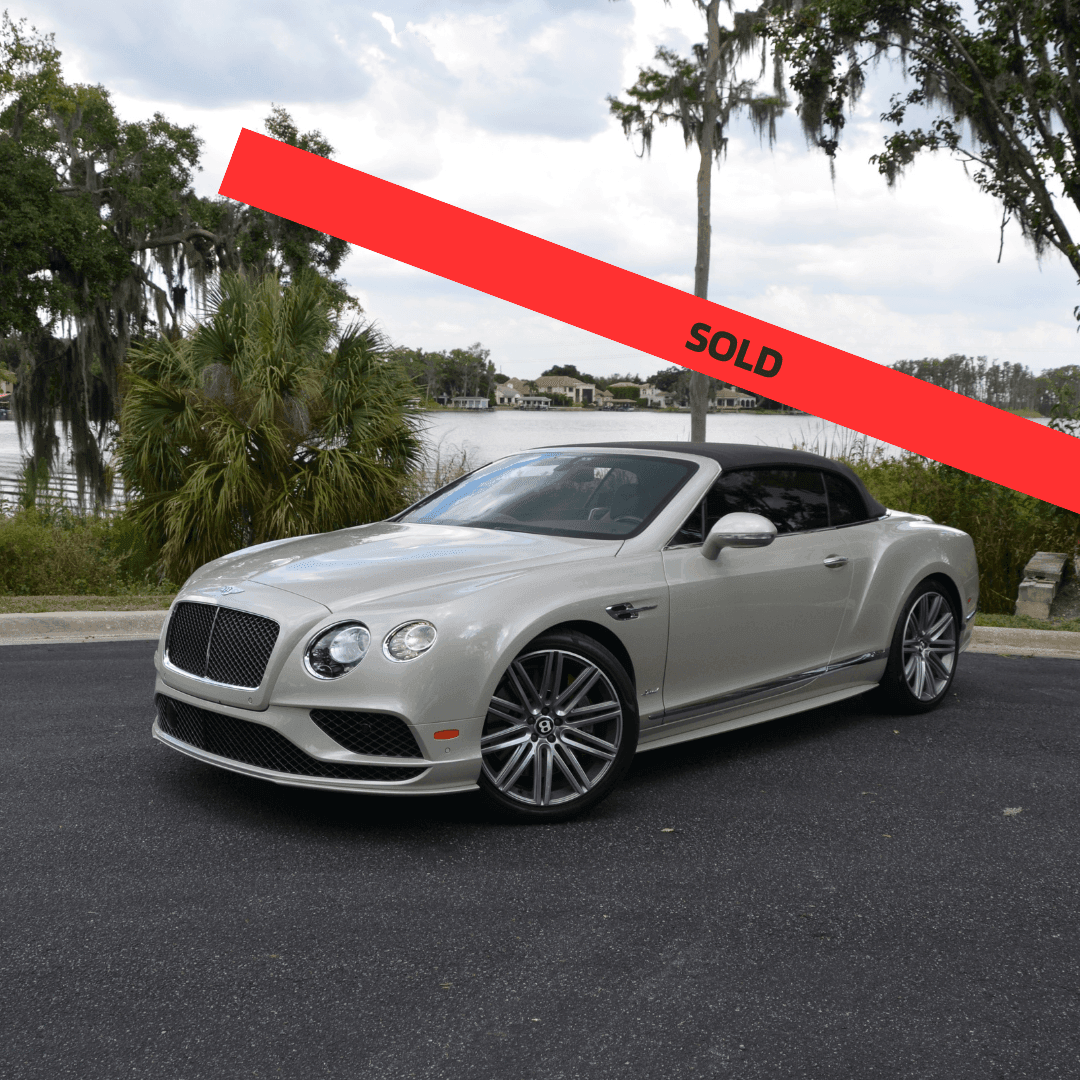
(587, 647)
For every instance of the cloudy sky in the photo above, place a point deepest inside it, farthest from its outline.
(499, 107)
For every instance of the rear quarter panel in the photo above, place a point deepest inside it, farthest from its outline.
(892, 556)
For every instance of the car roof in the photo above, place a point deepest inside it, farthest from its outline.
(747, 456)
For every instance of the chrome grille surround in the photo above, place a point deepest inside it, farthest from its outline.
(263, 747)
(220, 645)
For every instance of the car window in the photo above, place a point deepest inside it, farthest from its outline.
(846, 504)
(560, 492)
(794, 500)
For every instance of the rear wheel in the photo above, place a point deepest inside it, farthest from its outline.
(560, 731)
(925, 645)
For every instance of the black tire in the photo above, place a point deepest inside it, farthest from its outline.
(924, 650)
(561, 729)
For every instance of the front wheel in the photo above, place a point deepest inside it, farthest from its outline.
(560, 731)
(925, 646)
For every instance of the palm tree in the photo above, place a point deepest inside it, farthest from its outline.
(700, 94)
(265, 420)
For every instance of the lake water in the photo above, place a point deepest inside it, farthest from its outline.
(492, 435)
(486, 436)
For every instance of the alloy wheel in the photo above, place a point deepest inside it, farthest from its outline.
(553, 729)
(929, 648)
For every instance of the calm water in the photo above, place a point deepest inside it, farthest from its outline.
(492, 435)
(486, 436)
(489, 436)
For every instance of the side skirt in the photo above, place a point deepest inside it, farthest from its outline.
(789, 684)
(700, 727)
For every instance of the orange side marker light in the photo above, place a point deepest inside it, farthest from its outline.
(447, 733)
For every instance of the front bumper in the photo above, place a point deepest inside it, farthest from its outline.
(445, 766)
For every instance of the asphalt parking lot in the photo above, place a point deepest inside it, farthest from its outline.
(841, 894)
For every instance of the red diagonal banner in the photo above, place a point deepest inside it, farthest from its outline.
(654, 318)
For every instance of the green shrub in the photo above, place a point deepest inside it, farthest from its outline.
(1007, 527)
(58, 552)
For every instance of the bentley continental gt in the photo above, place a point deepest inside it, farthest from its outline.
(531, 626)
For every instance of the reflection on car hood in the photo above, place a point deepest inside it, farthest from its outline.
(388, 558)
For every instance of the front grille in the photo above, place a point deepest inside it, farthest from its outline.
(368, 733)
(256, 744)
(220, 644)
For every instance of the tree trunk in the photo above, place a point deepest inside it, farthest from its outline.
(699, 383)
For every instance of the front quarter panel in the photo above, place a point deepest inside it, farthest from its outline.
(482, 625)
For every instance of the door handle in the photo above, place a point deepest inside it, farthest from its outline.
(833, 562)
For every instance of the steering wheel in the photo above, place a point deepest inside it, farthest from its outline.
(627, 518)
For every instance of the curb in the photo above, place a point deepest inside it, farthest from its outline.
(1004, 640)
(74, 627)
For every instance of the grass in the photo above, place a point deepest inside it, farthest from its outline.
(28, 605)
(1026, 622)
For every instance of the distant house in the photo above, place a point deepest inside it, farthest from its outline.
(730, 398)
(533, 401)
(580, 393)
(471, 402)
(645, 392)
(510, 392)
(652, 397)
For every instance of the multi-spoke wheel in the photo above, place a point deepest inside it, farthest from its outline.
(560, 730)
(922, 660)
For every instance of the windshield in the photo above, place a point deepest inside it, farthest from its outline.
(559, 492)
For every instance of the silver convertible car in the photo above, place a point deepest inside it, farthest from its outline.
(529, 627)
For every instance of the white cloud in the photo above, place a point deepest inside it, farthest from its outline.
(498, 107)
(388, 25)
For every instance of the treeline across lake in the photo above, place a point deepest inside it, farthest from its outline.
(1003, 385)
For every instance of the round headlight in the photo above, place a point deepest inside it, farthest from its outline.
(408, 641)
(335, 652)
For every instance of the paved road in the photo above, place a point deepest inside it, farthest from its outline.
(843, 895)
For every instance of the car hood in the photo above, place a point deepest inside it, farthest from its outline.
(390, 558)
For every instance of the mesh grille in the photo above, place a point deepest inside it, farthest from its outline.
(189, 634)
(368, 733)
(220, 644)
(256, 744)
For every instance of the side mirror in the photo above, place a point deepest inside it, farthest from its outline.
(738, 531)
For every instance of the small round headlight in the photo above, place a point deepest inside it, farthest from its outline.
(336, 651)
(409, 640)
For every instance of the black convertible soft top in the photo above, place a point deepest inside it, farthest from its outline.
(746, 456)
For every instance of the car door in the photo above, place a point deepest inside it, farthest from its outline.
(860, 536)
(755, 622)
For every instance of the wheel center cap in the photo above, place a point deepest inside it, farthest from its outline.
(545, 725)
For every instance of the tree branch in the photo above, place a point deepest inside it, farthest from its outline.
(175, 238)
